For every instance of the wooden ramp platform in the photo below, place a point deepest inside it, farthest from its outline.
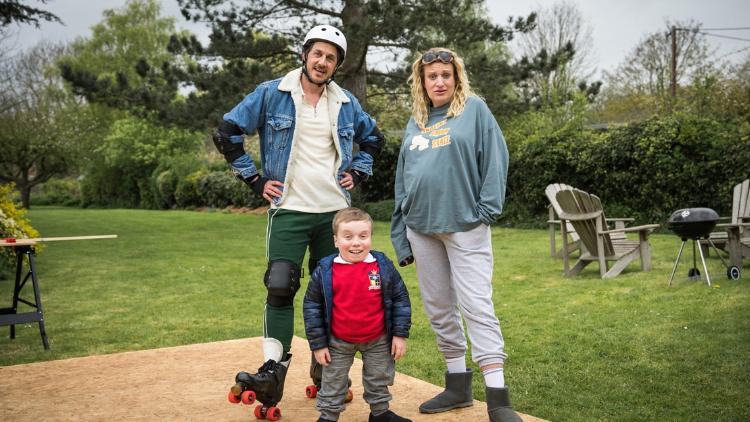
(187, 383)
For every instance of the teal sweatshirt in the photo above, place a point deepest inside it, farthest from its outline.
(451, 176)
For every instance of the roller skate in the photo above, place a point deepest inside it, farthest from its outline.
(266, 386)
(316, 374)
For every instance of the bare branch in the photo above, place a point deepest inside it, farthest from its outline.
(387, 75)
(314, 9)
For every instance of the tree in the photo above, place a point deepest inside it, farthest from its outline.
(737, 91)
(639, 86)
(126, 158)
(43, 125)
(6, 54)
(133, 32)
(116, 58)
(563, 45)
(112, 70)
(394, 27)
(262, 40)
(13, 11)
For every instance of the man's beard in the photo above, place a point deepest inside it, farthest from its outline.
(313, 74)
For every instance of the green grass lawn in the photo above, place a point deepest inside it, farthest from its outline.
(580, 349)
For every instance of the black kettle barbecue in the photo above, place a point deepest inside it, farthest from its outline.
(696, 224)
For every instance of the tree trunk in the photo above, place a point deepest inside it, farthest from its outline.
(353, 71)
(25, 194)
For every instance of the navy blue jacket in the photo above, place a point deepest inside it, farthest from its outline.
(319, 301)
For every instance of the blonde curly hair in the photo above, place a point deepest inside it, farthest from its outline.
(421, 101)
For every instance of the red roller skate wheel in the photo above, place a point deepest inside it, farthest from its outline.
(259, 413)
(349, 396)
(273, 413)
(311, 391)
(248, 397)
(233, 399)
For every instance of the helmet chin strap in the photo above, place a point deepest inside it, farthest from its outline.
(304, 71)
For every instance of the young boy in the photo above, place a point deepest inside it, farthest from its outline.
(356, 301)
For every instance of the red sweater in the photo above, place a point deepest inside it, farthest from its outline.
(358, 315)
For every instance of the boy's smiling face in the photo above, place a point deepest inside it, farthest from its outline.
(354, 239)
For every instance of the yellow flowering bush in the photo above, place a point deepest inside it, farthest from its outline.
(12, 224)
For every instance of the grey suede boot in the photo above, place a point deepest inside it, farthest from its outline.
(457, 394)
(498, 406)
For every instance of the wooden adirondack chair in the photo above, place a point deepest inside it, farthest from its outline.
(586, 214)
(720, 239)
(554, 209)
(575, 242)
(738, 231)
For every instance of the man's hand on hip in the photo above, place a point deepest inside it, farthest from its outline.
(350, 180)
(267, 188)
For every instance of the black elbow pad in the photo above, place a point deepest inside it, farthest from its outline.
(374, 148)
(226, 147)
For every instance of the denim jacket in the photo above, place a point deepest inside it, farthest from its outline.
(271, 111)
(318, 303)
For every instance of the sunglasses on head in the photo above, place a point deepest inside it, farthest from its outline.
(444, 56)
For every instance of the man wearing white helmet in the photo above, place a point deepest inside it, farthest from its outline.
(307, 126)
(330, 36)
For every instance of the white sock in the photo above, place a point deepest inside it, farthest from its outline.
(494, 378)
(456, 364)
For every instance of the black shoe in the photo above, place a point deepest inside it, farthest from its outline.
(388, 416)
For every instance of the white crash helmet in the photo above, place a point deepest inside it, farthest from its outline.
(328, 34)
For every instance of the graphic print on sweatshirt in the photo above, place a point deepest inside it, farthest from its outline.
(443, 139)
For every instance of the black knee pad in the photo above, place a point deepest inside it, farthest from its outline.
(282, 278)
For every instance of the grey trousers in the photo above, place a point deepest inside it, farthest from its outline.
(455, 278)
(378, 371)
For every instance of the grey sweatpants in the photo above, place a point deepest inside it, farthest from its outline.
(378, 371)
(455, 278)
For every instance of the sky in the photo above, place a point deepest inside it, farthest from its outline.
(618, 26)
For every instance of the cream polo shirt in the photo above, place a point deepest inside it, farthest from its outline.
(314, 187)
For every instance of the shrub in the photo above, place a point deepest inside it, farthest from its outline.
(381, 210)
(380, 185)
(521, 217)
(186, 193)
(166, 185)
(172, 170)
(550, 159)
(58, 192)
(105, 186)
(243, 196)
(645, 170)
(12, 224)
(122, 169)
(216, 188)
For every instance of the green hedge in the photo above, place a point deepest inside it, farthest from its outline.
(645, 170)
(381, 210)
(219, 189)
(380, 186)
(64, 192)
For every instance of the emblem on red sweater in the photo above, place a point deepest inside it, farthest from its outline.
(374, 280)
